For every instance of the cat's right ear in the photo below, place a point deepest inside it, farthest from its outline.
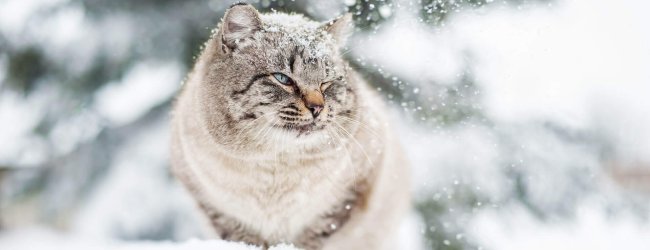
(340, 28)
(240, 22)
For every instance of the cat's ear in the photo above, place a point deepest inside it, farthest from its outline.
(240, 22)
(340, 28)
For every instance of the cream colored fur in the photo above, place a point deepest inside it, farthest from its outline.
(280, 184)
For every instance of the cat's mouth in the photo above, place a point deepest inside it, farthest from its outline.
(303, 129)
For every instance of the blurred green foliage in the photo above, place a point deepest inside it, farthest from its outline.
(442, 215)
(26, 66)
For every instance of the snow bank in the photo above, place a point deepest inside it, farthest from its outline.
(43, 239)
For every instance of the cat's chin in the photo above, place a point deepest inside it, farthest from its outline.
(301, 130)
(303, 135)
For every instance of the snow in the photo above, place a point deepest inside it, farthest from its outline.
(512, 228)
(20, 117)
(477, 162)
(299, 30)
(574, 62)
(137, 180)
(51, 240)
(134, 93)
(128, 203)
(555, 63)
(580, 65)
(416, 53)
(409, 236)
(14, 15)
(71, 132)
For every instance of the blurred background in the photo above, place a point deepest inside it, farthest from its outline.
(527, 122)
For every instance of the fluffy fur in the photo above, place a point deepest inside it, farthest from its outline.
(311, 162)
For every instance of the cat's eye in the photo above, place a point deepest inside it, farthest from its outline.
(325, 85)
(282, 78)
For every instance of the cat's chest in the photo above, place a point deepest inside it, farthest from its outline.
(280, 204)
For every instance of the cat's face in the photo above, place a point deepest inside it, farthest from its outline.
(279, 78)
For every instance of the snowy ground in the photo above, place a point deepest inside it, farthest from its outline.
(50, 240)
(581, 65)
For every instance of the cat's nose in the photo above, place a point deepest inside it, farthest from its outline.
(314, 101)
(315, 110)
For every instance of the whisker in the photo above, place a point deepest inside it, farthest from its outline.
(356, 142)
(347, 154)
(246, 130)
(355, 168)
(261, 139)
(364, 126)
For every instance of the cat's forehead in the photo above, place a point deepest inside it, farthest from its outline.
(288, 22)
(296, 31)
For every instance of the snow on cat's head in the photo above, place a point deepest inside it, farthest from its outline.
(277, 78)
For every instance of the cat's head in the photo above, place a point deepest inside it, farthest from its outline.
(271, 77)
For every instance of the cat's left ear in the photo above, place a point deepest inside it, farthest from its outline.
(340, 28)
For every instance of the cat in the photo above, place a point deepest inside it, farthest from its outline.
(280, 141)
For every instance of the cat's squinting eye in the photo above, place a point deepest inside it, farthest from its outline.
(325, 85)
(282, 78)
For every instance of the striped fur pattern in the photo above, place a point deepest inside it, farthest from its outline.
(279, 141)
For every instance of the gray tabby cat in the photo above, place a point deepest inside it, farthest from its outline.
(280, 141)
